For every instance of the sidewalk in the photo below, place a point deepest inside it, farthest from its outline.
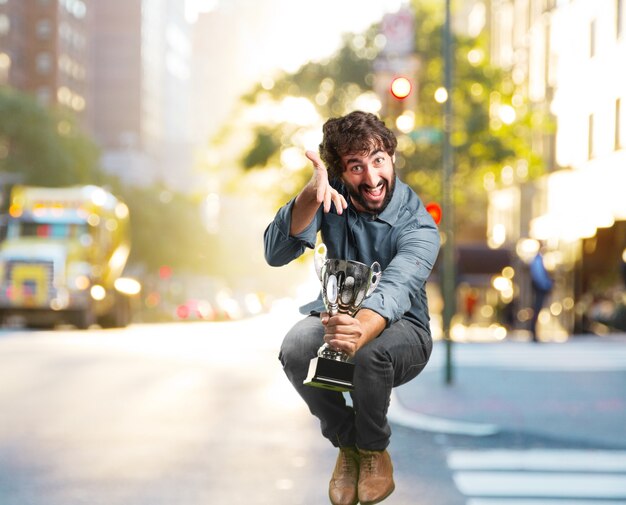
(574, 390)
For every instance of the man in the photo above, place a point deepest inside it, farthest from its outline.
(542, 285)
(364, 213)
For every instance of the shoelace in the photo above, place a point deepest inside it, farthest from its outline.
(368, 462)
(348, 463)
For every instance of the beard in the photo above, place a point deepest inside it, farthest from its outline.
(356, 194)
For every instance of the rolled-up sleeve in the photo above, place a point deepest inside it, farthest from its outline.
(405, 276)
(280, 246)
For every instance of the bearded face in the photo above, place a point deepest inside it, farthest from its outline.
(369, 179)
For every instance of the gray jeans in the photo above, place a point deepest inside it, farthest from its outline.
(398, 355)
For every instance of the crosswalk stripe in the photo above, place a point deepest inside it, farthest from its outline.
(531, 501)
(548, 485)
(539, 460)
(539, 476)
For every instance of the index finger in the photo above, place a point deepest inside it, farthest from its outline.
(315, 158)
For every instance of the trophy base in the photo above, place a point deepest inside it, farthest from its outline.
(330, 374)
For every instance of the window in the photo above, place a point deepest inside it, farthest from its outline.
(5, 67)
(5, 24)
(44, 29)
(77, 8)
(549, 5)
(43, 63)
(51, 230)
(590, 146)
(618, 124)
(592, 39)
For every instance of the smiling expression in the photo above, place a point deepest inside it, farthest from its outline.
(369, 179)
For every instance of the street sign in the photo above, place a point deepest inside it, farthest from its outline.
(426, 135)
(399, 31)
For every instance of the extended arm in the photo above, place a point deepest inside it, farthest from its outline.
(295, 226)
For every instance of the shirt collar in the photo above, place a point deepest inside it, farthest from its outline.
(390, 214)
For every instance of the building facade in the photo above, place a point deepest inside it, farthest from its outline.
(565, 57)
(122, 66)
(45, 50)
(141, 81)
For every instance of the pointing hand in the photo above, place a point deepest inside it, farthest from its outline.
(326, 194)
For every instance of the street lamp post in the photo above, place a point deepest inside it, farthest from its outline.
(448, 273)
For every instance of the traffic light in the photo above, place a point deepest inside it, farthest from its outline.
(165, 272)
(434, 209)
(401, 87)
(397, 89)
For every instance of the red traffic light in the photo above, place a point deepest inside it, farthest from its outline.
(165, 272)
(434, 210)
(401, 87)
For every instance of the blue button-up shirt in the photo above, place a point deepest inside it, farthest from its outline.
(403, 239)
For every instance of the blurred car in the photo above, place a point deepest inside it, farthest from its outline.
(196, 310)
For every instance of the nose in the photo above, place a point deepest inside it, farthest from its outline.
(371, 177)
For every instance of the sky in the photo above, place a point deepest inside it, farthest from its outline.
(288, 33)
(250, 39)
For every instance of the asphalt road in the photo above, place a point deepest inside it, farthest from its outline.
(200, 413)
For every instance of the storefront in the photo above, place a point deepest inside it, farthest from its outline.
(579, 216)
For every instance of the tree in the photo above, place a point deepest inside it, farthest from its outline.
(166, 229)
(493, 124)
(45, 147)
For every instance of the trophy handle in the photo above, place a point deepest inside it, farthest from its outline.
(319, 259)
(376, 275)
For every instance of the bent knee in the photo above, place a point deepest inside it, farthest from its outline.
(369, 357)
(301, 344)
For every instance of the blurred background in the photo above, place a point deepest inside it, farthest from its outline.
(145, 145)
(172, 131)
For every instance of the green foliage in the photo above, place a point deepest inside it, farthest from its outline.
(483, 142)
(44, 147)
(264, 147)
(166, 229)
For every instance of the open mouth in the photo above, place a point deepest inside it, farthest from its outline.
(374, 195)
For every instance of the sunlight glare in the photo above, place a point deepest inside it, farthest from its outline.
(292, 158)
(368, 102)
(294, 110)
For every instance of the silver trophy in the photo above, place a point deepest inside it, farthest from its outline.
(345, 284)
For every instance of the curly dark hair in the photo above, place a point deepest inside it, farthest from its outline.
(357, 132)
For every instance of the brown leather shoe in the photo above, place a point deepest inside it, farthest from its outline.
(376, 477)
(342, 489)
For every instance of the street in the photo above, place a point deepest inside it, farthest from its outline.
(200, 413)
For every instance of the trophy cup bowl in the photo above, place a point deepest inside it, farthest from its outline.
(345, 284)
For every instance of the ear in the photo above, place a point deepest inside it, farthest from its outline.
(393, 157)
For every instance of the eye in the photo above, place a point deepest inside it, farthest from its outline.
(356, 168)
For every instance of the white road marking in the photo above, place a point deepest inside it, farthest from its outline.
(539, 460)
(540, 476)
(546, 485)
(538, 501)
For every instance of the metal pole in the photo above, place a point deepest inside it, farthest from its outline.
(448, 268)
